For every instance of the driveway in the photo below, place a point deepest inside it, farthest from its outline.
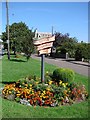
(79, 67)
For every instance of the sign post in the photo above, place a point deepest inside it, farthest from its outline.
(44, 46)
(42, 67)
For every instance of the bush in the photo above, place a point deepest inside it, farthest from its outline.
(66, 75)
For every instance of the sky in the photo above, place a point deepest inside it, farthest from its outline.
(65, 17)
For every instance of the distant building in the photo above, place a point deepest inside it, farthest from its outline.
(42, 34)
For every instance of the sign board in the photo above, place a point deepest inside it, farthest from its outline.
(45, 51)
(43, 46)
(44, 40)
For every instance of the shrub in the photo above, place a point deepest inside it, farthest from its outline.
(64, 74)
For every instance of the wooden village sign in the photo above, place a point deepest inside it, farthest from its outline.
(44, 46)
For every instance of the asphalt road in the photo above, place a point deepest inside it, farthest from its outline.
(79, 67)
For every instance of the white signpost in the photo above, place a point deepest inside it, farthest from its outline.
(44, 46)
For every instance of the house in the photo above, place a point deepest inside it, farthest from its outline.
(42, 34)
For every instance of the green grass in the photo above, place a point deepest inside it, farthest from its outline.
(14, 70)
(15, 110)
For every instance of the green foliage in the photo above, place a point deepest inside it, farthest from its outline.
(48, 77)
(40, 87)
(63, 44)
(66, 75)
(82, 51)
(79, 52)
(21, 38)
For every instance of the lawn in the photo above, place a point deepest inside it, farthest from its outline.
(17, 68)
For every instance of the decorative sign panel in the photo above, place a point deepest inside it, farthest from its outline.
(44, 40)
(43, 46)
(45, 51)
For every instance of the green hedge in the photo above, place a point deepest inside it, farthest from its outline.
(64, 74)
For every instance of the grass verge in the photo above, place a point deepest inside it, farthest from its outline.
(14, 70)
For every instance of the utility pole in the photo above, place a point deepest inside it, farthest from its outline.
(7, 29)
(52, 30)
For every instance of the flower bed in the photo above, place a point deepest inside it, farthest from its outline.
(30, 91)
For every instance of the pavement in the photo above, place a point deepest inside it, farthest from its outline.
(80, 67)
(79, 62)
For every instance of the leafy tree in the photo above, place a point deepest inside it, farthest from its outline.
(27, 45)
(64, 43)
(82, 51)
(21, 38)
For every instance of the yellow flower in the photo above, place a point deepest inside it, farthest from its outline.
(30, 85)
(30, 88)
(48, 89)
(10, 92)
(3, 92)
(68, 89)
(43, 96)
(50, 82)
(13, 88)
(44, 92)
(63, 84)
(26, 85)
(37, 82)
(66, 83)
(18, 95)
(60, 82)
(18, 91)
(28, 91)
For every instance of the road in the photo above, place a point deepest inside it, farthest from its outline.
(79, 67)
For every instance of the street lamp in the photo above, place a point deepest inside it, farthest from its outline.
(8, 29)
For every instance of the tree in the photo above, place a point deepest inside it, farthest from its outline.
(82, 51)
(21, 38)
(64, 43)
(27, 44)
